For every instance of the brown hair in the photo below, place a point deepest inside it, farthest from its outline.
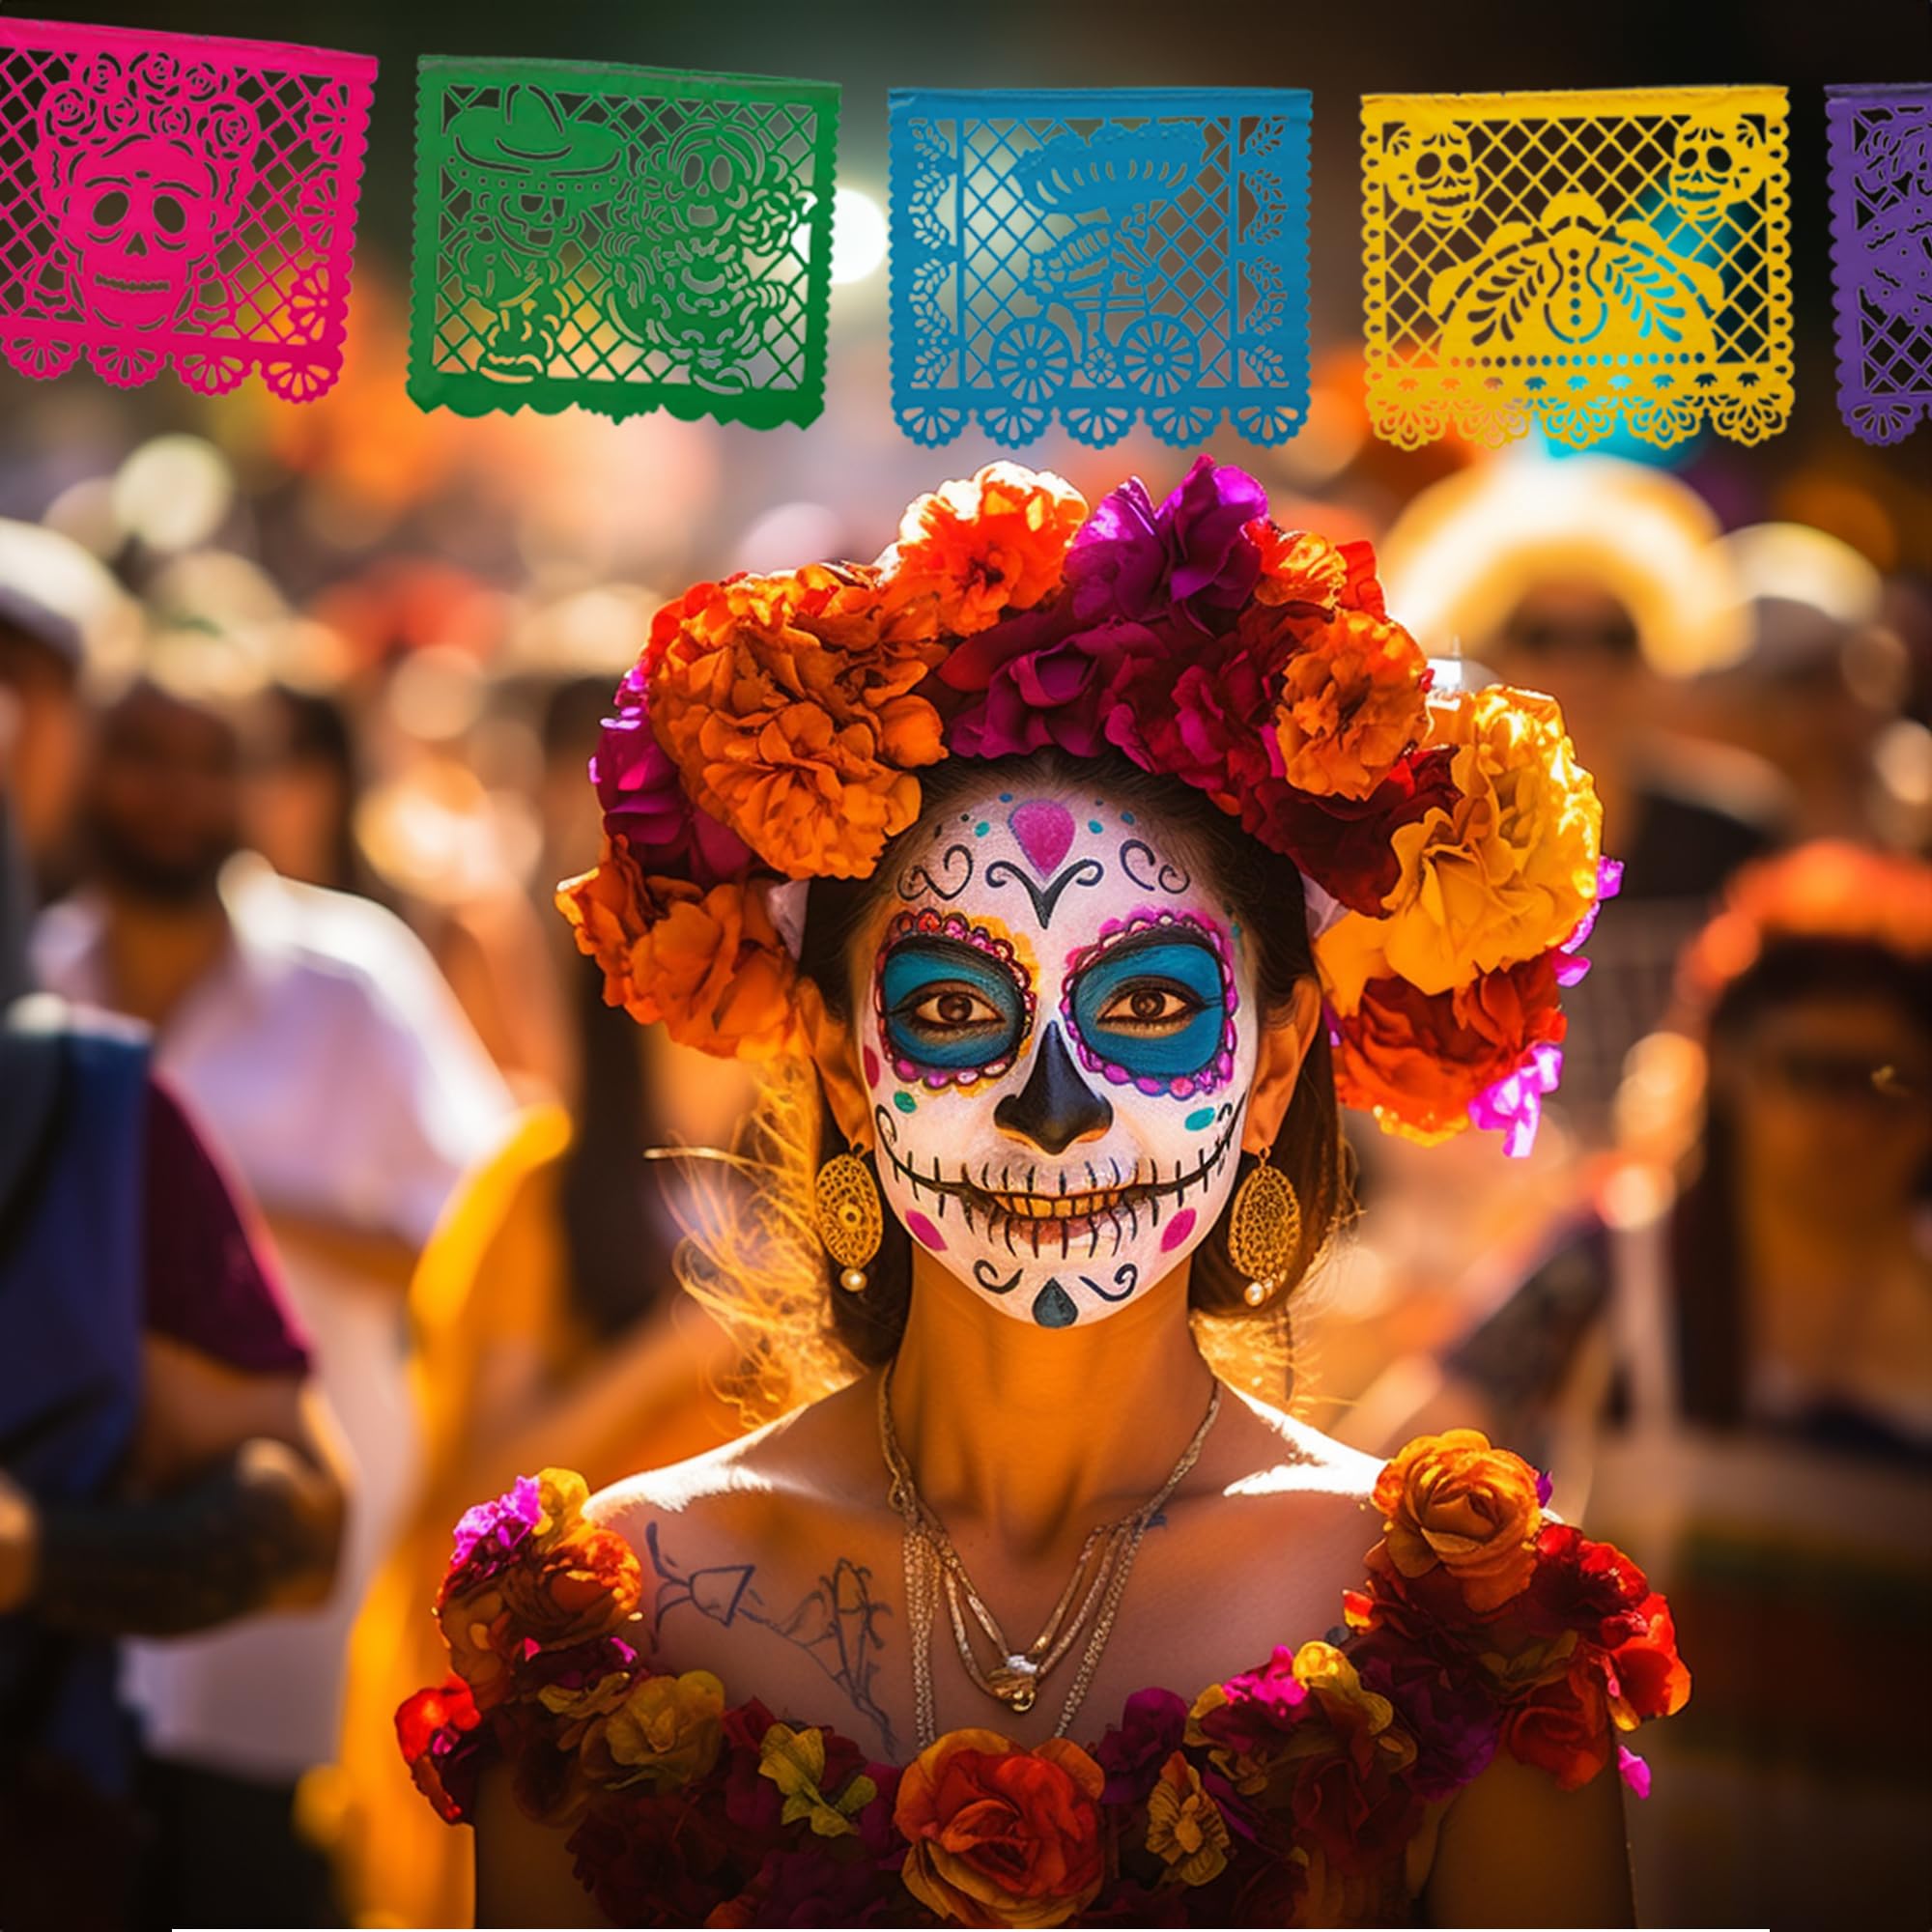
(1264, 891)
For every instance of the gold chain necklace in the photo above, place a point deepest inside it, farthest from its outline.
(933, 1568)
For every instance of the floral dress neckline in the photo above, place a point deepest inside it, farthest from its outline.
(1288, 1793)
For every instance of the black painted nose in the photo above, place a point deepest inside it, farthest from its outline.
(1056, 1107)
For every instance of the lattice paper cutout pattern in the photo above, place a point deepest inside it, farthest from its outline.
(1882, 255)
(1100, 255)
(623, 238)
(1589, 260)
(166, 198)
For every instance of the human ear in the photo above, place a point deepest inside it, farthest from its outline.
(1286, 1037)
(834, 1052)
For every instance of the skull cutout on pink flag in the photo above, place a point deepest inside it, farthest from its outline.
(172, 199)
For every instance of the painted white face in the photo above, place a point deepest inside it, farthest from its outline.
(1058, 1038)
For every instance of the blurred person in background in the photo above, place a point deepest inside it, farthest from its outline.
(1730, 1356)
(549, 1329)
(301, 789)
(1824, 678)
(164, 1464)
(1602, 582)
(313, 1036)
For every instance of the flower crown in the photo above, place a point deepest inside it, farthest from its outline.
(774, 729)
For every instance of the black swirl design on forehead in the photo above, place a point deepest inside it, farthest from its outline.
(917, 879)
(1082, 872)
(1161, 876)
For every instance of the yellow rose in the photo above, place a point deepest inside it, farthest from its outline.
(1185, 1829)
(1500, 877)
(666, 1732)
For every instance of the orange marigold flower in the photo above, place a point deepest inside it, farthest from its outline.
(1454, 1500)
(981, 548)
(1504, 872)
(1351, 704)
(787, 703)
(1000, 1835)
(710, 964)
(1305, 567)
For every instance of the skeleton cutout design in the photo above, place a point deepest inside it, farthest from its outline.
(1431, 170)
(1717, 162)
(531, 174)
(1549, 289)
(701, 209)
(143, 173)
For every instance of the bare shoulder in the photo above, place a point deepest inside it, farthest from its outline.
(1292, 1458)
(780, 1479)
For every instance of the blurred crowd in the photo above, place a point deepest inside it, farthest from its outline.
(336, 1162)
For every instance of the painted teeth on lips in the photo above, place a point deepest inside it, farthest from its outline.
(1060, 1206)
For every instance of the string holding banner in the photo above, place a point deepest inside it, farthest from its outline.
(1881, 176)
(166, 198)
(1586, 261)
(1098, 256)
(621, 239)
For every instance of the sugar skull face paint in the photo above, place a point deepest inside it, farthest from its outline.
(1058, 1046)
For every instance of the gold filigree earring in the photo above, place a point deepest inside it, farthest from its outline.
(845, 1207)
(1265, 1228)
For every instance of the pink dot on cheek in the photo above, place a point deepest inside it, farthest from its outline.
(870, 1063)
(1176, 1231)
(922, 1230)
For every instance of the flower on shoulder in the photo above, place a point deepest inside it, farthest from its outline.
(1456, 1501)
(788, 704)
(1353, 702)
(1150, 1729)
(1562, 1721)
(1349, 1794)
(1185, 1829)
(999, 1834)
(981, 548)
(437, 1731)
(1248, 1719)
(1450, 1711)
(668, 1732)
(652, 1859)
(795, 1761)
(1504, 870)
(528, 1582)
(1652, 1681)
(1591, 1588)
(1420, 1062)
(707, 963)
(580, 1685)
(1194, 553)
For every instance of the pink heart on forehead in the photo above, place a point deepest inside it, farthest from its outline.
(1044, 828)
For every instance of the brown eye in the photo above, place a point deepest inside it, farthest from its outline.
(953, 1006)
(1152, 1006)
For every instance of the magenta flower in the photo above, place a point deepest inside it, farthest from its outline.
(1192, 553)
(1133, 1750)
(644, 801)
(498, 1529)
(1572, 966)
(1264, 1707)
(1037, 681)
(1634, 1772)
(1513, 1106)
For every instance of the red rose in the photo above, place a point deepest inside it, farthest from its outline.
(1000, 1835)
(1591, 1588)
(1563, 1723)
(1650, 1674)
(437, 1731)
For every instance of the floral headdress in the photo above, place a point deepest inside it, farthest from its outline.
(775, 728)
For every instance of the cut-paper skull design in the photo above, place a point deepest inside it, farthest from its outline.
(1431, 170)
(1719, 161)
(143, 173)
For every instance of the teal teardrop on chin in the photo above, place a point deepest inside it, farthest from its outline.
(1053, 1307)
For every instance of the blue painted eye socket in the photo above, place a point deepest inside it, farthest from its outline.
(946, 1006)
(1159, 1010)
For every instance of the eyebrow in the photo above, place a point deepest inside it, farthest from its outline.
(953, 952)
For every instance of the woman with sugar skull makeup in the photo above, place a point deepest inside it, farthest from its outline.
(1058, 872)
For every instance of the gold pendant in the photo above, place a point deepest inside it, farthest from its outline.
(1013, 1683)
